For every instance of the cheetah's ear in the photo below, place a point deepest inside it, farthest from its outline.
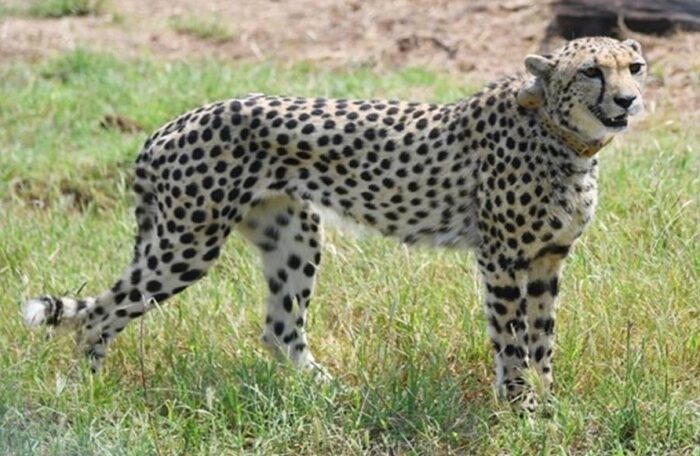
(634, 44)
(531, 94)
(539, 66)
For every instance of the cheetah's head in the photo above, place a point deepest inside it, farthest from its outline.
(590, 86)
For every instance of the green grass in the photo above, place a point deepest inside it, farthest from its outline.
(61, 8)
(402, 331)
(53, 9)
(208, 29)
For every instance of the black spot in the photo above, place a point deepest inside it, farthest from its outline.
(198, 216)
(136, 276)
(211, 254)
(536, 288)
(225, 133)
(282, 139)
(499, 308)
(159, 297)
(507, 293)
(197, 154)
(191, 275)
(153, 286)
(555, 223)
(290, 337)
(549, 326)
(539, 354)
(527, 237)
(515, 325)
(152, 262)
(309, 270)
(559, 250)
(192, 189)
(554, 286)
(274, 285)
(179, 267)
(217, 195)
(135, 295)
(287, 303)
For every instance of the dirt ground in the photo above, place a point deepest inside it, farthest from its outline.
(480, 39)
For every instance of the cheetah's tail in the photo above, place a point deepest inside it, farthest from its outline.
(52, 311)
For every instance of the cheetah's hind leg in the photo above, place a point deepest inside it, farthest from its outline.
(161, 268)
(289, 236)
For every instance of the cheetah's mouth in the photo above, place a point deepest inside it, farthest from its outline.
(615, 122)
(611, 122)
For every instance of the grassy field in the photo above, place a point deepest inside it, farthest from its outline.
(402, 331)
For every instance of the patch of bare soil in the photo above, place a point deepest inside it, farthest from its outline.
(481, 39)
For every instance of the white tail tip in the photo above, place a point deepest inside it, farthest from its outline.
(35, 312)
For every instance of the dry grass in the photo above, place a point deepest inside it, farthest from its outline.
(207, 29)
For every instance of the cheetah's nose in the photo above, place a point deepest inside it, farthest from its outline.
(625, 102)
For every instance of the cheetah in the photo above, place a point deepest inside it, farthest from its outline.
(509, 173)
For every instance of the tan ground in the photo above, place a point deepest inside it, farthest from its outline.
(480, 39)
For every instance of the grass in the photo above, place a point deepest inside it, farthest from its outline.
(61, 8)
(402, 330)
(208, 29)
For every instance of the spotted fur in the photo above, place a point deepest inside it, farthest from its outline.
(508, 172)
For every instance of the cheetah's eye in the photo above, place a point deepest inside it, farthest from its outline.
(592, 72)
(635, 68)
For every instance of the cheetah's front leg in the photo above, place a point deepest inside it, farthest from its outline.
(542, 290)
(504, 304)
